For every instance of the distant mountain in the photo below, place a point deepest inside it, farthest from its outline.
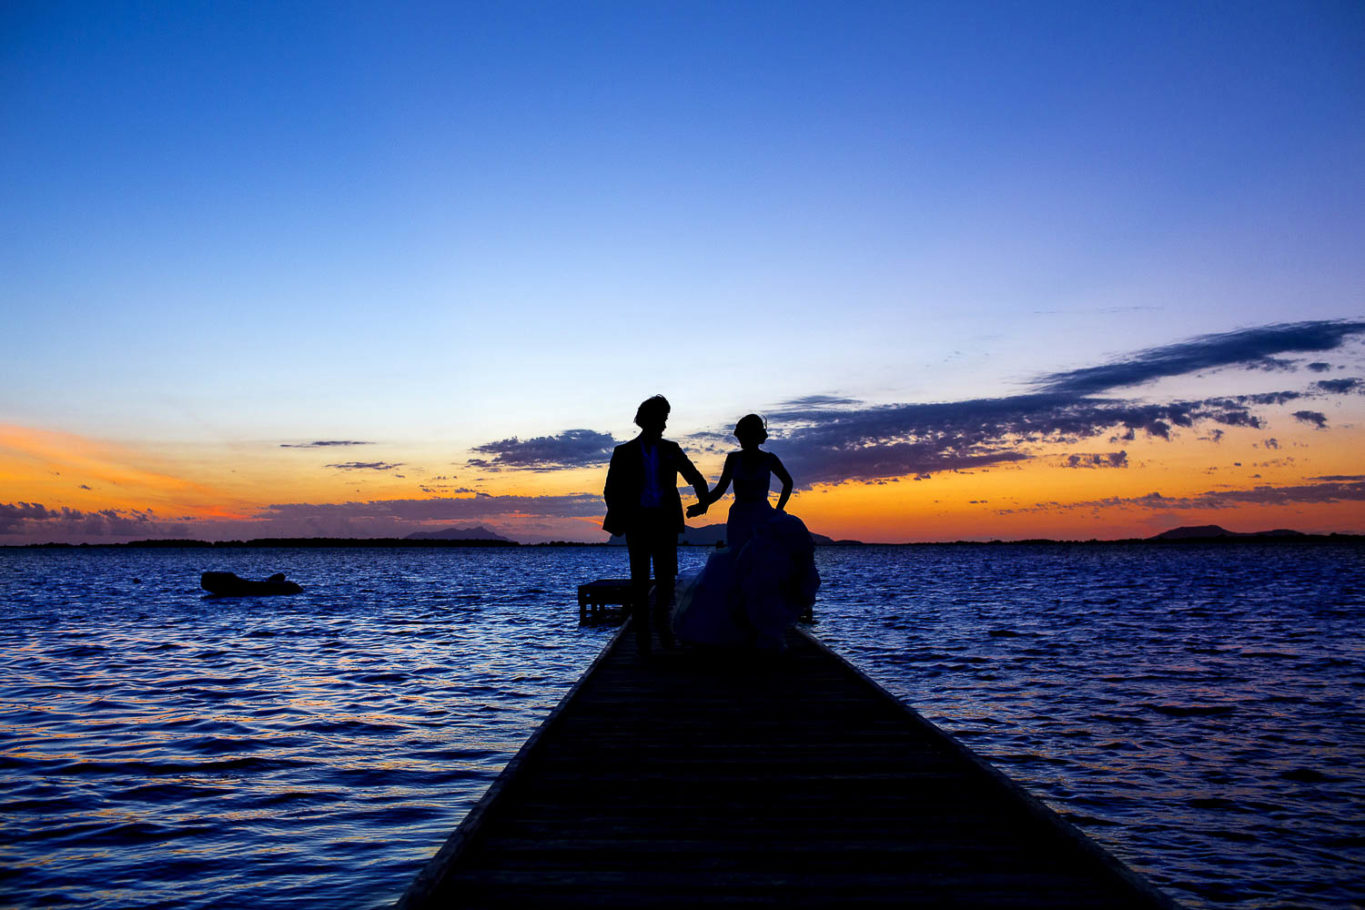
(1214, 532)
(705, 536)
(476, 533)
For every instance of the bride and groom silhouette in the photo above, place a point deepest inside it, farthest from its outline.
(749, 593)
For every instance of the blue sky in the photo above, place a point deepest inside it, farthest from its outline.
(440, 225)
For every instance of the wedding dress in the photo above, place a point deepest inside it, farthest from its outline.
(754, 589)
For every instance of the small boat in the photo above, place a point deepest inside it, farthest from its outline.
(227, 584)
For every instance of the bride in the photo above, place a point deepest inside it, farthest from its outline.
(750, 592)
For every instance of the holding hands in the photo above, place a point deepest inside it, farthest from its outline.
(697, 508)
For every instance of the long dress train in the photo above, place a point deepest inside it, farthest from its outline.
(754, 589)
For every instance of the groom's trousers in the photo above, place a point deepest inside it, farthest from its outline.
(653, 539)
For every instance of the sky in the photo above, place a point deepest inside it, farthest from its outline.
(989, 270)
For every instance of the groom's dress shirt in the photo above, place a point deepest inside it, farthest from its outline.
(650, 497)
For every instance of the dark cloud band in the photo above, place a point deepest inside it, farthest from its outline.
(18, 517)
(896, 440)
(1255, 348)
(829, 439)
(570, 449)
(1321, 490)
(482, 505)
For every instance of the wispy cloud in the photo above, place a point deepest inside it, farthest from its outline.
(830, 439)
(323, 444)
(829, 445)
(1319, 490)
(569, 449)
(482, 505)
(366, 466)
(1316, 418)
(816, 401)
(1253, 348)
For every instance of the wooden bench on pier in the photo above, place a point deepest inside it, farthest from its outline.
(597, 597)
(596, 601)
(706, 780)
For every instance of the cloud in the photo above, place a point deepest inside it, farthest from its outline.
(323, 443)
(831, 439)
(1097, 460)
(1252, 348)
(833, 444)
(816, 401)
(1338, 386)
(12, 514)
(1316, 418)
(1318, 366)
(33, 518)
(366, 466)
(479, 506)
(570, 449)
(1268, 398)
(1346, 488)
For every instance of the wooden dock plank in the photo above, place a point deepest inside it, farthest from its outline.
(793, 780)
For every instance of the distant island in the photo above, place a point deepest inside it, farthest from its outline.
(1214, 532)
(478, 532)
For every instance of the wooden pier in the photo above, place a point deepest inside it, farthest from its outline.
(697, 780)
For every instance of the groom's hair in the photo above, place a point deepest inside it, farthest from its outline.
(657, 405)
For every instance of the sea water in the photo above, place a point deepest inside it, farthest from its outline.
(1195, 709)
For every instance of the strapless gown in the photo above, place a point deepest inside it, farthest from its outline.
(754, 589)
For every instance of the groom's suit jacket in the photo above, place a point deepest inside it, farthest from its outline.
(626, 483)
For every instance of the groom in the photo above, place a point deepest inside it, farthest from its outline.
(643, 504)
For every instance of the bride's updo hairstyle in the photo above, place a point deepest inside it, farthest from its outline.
(751, 426)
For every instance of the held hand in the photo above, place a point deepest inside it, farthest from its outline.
(696, 509)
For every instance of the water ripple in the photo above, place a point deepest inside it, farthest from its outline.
(1205, 724)
(1197, 710)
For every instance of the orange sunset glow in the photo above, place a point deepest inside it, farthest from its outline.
(1284, 472)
